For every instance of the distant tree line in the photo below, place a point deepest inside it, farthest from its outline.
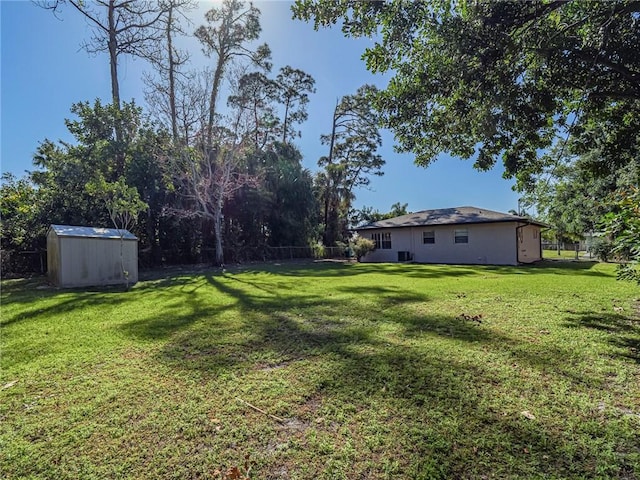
(197, 180)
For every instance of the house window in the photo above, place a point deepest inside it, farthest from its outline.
(381, 240)
(386, 241)
(429, 237)
(535, 234)
(376, 240)
(461, 235)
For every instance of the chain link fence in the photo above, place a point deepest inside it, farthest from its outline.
(20, 263)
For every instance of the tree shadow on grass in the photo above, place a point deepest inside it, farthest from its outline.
(624, 330)
(424, 392)
(415, 270)
(27, 290)
(279, 321)
(556, 267)
(60, 303)
(41, 299)
(344, 269)
(174, 316)
(344, 348)
(82, 318)
(257, 298)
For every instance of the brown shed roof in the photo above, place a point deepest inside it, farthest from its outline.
(448, 216)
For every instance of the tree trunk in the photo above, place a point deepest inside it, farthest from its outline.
(217, 78)
(172, 82)
(325, 239)
(286, 120)
(329, 188)
(256, 120)
(115, 88)
(152, 236)
(113, 56)
(217, 227)
(125, 273)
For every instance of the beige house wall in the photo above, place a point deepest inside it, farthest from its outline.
(94, 261)
(489, 243)
(529, 246)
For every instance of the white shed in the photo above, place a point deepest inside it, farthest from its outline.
(91, 256)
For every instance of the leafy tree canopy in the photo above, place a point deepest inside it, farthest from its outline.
(369, 214)
(20, 222)
(623, 225)
(570, 197)
(501, 80)
(121, 201)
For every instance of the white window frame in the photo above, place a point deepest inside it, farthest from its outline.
(376, 238)
(459, 234)
(386, 241)
(381, 240)
(431, 236)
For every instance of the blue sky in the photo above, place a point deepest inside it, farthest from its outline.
(44, 71)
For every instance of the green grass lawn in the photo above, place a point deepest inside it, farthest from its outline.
(565, 255)
(354, 370)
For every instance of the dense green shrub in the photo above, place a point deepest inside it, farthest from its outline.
(601, 249)
(361, 246)
(318, 250)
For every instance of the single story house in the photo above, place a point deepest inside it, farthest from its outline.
(91, 256)
(462, 235)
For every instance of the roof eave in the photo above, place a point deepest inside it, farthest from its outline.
(506, 220)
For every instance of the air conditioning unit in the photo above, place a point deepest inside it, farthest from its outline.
(405, 256)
